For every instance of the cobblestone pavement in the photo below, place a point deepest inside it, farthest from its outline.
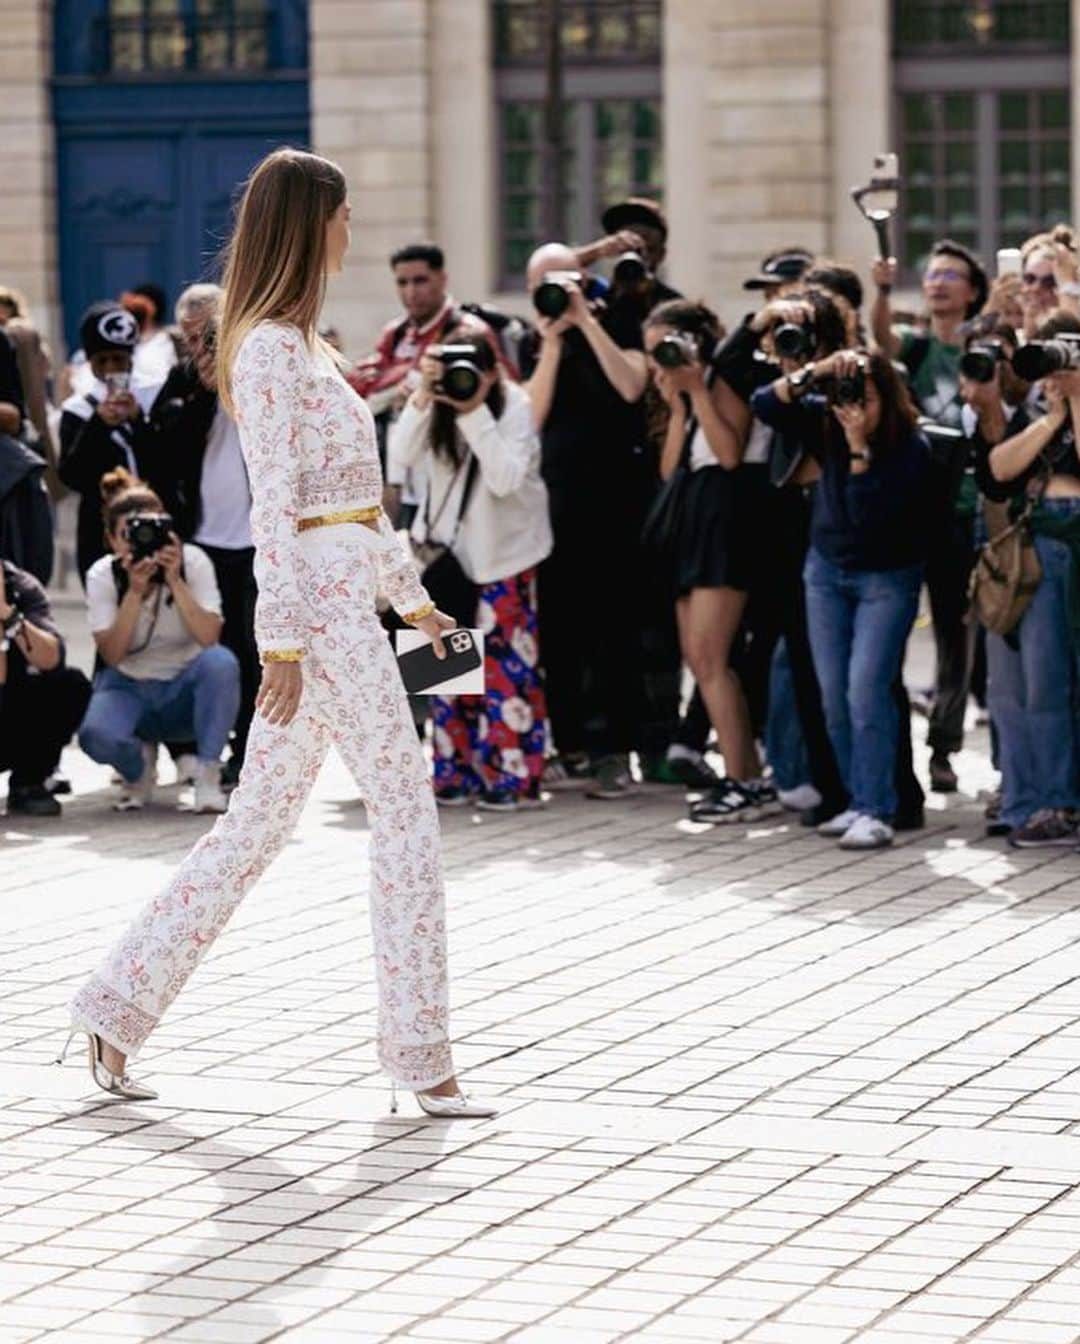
(753, 1088)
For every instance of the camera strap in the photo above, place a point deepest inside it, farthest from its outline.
(473, 467)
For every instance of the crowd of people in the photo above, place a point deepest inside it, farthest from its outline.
(672, 536)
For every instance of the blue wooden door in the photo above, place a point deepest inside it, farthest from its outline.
(149, 161)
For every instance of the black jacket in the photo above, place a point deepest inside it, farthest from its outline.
(181, 418)
(26, 523)
(88, 449)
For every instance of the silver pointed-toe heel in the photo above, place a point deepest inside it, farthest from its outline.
(458, 1107)
(116, 1084)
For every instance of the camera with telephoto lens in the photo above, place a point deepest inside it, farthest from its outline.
(794, 340)
(1038, 359)
(463, 369)
(630, 269)
(980, 361)
(147, 533)
(675, 351)
(551, 297)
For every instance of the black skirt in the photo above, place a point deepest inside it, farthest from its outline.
(719, 528)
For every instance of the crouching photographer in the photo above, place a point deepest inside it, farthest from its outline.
(1030, 460)
(483, 522)
(155, 613)
(41, 700)
(865, 565)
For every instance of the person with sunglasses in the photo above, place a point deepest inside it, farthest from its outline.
(1049, 276)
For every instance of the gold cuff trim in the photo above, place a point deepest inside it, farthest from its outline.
(282, 656)
(419, 613)
(347, 516)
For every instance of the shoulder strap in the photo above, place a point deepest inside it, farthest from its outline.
(916, 355)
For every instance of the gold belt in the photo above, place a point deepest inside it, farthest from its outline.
(348, 516)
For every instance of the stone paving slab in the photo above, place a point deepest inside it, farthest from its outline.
(753, 1089)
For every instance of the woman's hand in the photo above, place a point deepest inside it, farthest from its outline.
(433, 626)
(140, 572)
(579, 313)
(852, 417)
(688, 378)
(171, 559)
(279, 693)
(552, 329)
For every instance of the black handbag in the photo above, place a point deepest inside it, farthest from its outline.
(448, 586)
(662, 524)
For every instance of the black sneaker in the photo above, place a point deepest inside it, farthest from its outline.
(693, 772)
(452, 796)
(914, 820)
(1049, 827)
(730, 801)
(32, 800)
(57, 784)
(230, 773)
(611, 779)
(942, 775)
(765, 798)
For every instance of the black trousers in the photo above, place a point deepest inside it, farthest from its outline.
(590, 648)
(235, 572)
(38, 718)
(948, 573)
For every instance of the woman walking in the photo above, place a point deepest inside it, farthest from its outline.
(322, 550)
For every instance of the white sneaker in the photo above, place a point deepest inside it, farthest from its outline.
(867, 833)
(187, 768)
(799, 799)
(136, 796)
(209, 796)
(838, 825)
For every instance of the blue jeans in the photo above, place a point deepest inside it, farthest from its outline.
(859, 623)
(1031, 693)
(784, 744)
(200, 702)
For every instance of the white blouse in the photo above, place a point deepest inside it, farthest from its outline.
(309, 444)
(506, 527)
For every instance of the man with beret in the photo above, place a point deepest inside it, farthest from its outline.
(105, 428)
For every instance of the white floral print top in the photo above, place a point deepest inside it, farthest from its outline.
(310, 448)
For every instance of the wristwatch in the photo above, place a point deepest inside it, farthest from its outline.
(799, 382)
(859, 455)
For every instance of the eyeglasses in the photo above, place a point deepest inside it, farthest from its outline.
(1032, 281)
(945, 273)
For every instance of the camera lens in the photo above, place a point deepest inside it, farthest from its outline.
(979, 366)
(671, 353)
(792, 340)
(629, 269)
(550, 299)
(460, 382)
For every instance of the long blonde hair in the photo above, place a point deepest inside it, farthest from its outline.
(275, 263)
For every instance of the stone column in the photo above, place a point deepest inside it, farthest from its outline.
(28, 254)
(860, 91)
(462, 140)
(687, 49)
(370, 111)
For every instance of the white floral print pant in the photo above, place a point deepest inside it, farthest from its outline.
(353, 697)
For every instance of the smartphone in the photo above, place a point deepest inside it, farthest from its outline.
(421, 670)
(118, 383)
(1008, 261)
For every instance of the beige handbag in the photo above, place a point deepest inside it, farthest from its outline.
(1007, 571)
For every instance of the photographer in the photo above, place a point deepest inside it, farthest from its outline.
(714, 546)
(484, 500)
(155, 614)
(200, 438)
(864, 568)
(41, 700)
(1031, 460)
(106, 428)
(585, 376)
(955, 288)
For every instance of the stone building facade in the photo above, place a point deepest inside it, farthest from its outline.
(770, 113)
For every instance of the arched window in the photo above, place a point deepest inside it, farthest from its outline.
(982, 120)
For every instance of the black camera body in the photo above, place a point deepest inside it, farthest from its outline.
(147, 533)
(850, 389)
(676, 350)
(463, 369)
(980, 361)
(1039, 359)
(794, 340)
(551, 298)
